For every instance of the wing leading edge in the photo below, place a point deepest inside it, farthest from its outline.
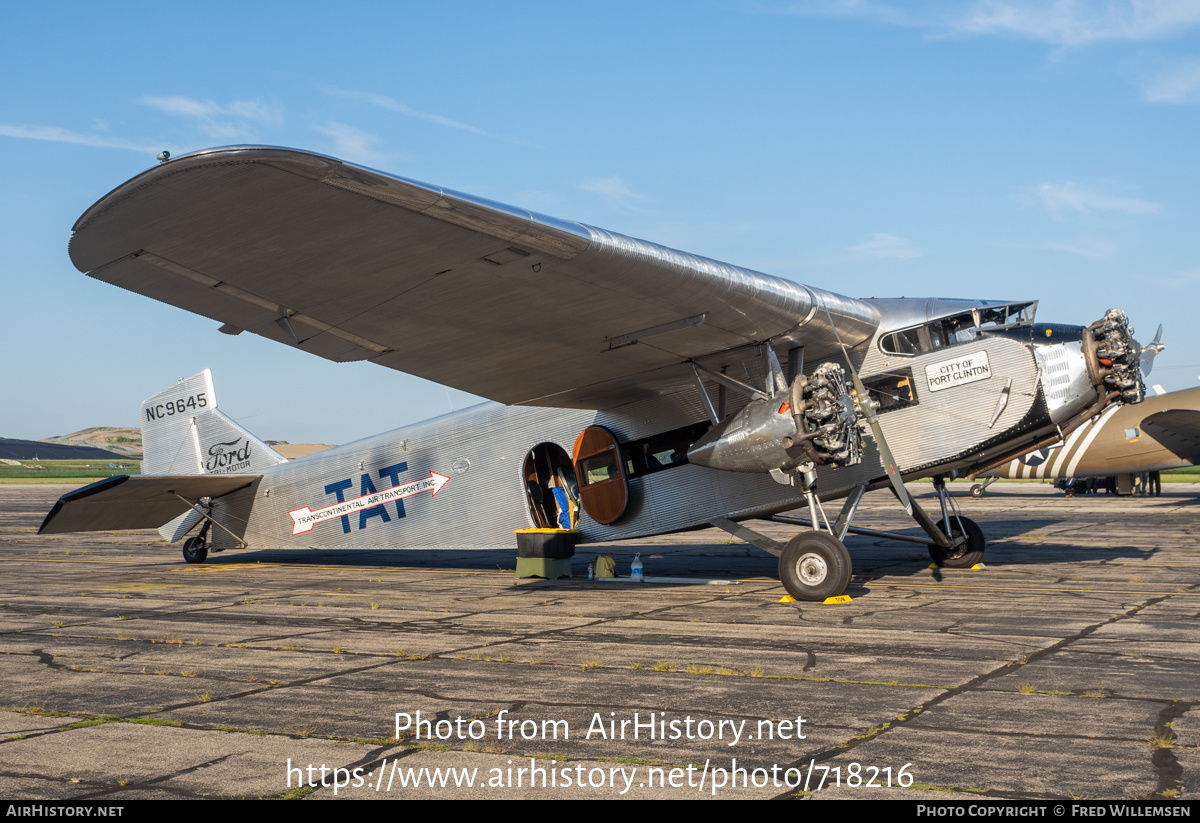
(353, 264)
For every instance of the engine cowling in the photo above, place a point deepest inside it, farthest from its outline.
(817, 423)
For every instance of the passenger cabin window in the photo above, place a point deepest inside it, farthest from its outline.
(661, 451)
(599, 468)
(891, 391)
(955, 329)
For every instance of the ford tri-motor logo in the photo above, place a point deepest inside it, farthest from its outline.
(228, 457)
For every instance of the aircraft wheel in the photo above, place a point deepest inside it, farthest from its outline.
(814, 566)
(978, 490)
(194, 550)
(966, 554)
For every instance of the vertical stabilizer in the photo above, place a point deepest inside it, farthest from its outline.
(183, 432)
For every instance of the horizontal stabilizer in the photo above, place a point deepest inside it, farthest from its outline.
(140, 502)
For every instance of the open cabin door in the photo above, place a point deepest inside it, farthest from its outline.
(603, 489)
(550, 489)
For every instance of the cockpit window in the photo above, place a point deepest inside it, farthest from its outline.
(955, 329)
(904, 342)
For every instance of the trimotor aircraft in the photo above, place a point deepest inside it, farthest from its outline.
(637, 389)
(1162, 432)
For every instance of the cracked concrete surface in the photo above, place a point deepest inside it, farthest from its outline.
(1066, 668)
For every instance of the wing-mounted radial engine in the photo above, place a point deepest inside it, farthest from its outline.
(825, 417)
(816, 423)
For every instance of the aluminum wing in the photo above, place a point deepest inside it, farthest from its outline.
(353, 264)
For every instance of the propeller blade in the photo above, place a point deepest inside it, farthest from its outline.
(885, 453)
(1146, 357)
(864, 403)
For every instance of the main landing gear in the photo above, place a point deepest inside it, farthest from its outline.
(826, 431)
(815, 564)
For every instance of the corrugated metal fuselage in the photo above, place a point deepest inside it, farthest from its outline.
(482, 450)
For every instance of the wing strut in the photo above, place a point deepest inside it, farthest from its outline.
(208, 519)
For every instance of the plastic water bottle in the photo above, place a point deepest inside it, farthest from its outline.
(635, 570)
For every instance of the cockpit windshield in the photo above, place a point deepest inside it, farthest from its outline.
(956, 329)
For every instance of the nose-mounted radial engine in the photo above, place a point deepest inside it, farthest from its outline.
(1084, 369)
(1111, 355)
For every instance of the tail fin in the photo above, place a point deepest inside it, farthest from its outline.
(183, 432)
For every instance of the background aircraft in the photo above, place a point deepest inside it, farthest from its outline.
(648, 382)
(1162, 432)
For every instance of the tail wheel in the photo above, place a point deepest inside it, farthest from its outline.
(814, 566)
(965, 554)
(195, 550)
(978, 490)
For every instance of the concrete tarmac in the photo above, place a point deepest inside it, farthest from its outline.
(1066, 668)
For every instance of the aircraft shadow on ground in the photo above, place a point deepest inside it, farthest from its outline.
(1009, 544)
(873, 557)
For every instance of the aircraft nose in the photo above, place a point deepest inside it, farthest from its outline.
(1085, 369)
(1113, 358)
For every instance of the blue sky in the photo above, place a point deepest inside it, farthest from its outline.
(990, 149)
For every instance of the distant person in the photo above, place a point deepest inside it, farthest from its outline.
(1155, 489)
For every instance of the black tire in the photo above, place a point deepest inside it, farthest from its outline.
(814, 566)
(195, 550)
(966, 554)
(978, 490)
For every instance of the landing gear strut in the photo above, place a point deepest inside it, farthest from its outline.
(957, 542)
(967, 552)
(980, 489)
(815, 565)
(195, 549)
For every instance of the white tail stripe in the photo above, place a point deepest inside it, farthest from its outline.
(1082, 450)
(1064, 451)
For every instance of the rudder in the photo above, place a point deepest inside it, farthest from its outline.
(183, 432)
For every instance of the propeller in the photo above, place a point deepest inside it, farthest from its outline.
(868, 409)
(1148, 351)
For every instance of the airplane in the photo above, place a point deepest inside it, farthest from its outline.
(636, 389)
(1162, 432)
